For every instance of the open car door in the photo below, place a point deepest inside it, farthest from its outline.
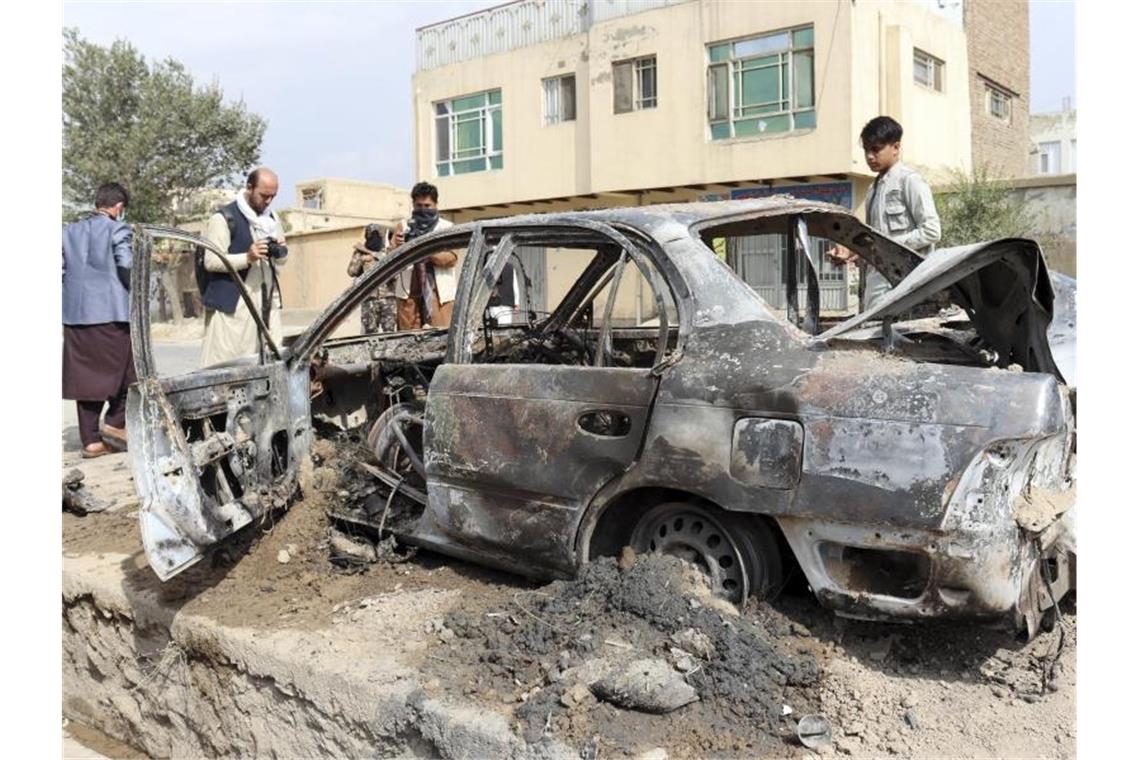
(213, 449)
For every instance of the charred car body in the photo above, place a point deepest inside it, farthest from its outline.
(914, 461)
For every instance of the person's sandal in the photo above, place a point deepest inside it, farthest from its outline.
(102, 450)
(114, 437)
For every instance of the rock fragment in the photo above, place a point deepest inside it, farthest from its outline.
(647, 685)
(576, 695)
(694, 642)
(345, 546)
(283, 557)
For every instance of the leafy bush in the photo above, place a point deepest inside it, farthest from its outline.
(978, 207)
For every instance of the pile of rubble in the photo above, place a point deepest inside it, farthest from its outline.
(592, 661)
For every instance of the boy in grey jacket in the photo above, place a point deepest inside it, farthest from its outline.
(900, 204)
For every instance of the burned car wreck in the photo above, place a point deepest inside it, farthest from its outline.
(915, 461)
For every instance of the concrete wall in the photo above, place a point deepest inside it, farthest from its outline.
(315, 272)
(1053, 202)
(668, 146)
(998, 37)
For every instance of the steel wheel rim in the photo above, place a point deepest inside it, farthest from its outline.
(692, 534)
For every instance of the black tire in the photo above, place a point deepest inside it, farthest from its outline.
(738, 553)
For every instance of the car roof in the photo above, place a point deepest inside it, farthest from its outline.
(683, 213)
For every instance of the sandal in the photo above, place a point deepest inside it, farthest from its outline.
(102, 450)
(115, 437)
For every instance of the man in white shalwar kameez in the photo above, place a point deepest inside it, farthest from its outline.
(231, 331)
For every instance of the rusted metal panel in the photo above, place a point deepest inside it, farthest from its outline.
(766, 452)
(506, 448)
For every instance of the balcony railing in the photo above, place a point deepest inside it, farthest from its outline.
(515, 25)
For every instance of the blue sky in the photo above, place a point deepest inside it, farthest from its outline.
(334, 79)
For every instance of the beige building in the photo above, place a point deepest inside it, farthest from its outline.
(1054, 139)
(325, 204)
(540, 105)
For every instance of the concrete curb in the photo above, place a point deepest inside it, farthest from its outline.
(180, 685)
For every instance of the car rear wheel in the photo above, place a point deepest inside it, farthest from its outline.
(737, 553)
(396, 438)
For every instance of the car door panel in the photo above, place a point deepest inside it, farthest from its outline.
(511, 458)
(213, 450)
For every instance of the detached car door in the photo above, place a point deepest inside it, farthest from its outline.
(211, 450)
(514, 451)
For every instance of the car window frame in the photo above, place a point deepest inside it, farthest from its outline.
(388, 266)
(461, 342)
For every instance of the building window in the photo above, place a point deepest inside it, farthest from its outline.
(558, 99)
(312, 198)
(927, 71)
(1000, 103)
(1072, 155)
(762, 84)
(1049, 158)
(635, 84)
(469, 133)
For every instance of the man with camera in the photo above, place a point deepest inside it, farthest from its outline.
(252, 237)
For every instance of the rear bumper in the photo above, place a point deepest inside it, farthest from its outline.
(882, 574)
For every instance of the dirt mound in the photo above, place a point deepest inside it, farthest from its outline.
(551, 642)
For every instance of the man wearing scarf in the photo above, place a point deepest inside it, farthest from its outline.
(427, 290)
(231, 331)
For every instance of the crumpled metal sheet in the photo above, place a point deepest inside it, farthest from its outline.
(1003, 285)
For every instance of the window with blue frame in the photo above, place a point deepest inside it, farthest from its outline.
(762, 85)
(469, 133)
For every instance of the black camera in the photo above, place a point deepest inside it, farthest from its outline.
(275, 249)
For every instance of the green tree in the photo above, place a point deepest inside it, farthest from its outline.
(149, 127)
(977, 207)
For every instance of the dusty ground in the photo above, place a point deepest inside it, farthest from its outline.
(968, 692)
(524, 651)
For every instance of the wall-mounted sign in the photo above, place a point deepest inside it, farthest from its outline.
(839, 193)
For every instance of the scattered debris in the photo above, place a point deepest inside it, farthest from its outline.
(576, 695)
(694, 642)
(78, 499)
(345, 547)
(814, 731)
(683, 661)
(621, 633)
